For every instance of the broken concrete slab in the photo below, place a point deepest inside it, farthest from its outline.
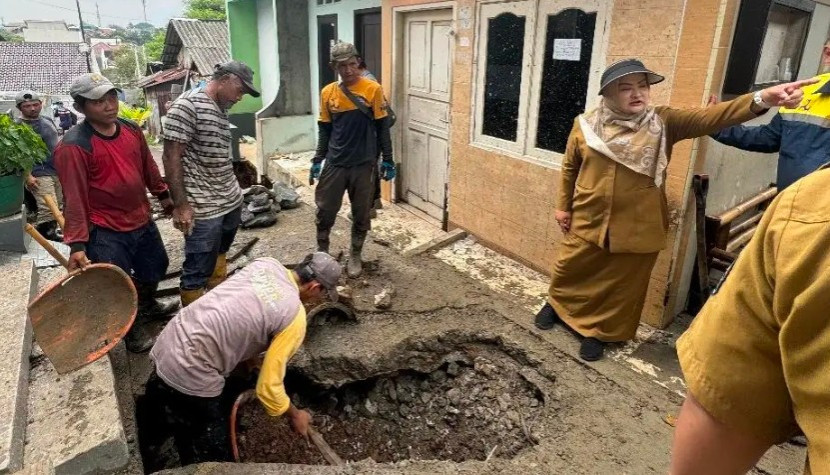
(437, 243)
(19, 284)
(74, 419)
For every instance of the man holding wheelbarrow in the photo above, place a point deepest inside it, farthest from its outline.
(105, 168)
(260, 309)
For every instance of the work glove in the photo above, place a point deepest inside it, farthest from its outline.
(314, 173)
(388, 171)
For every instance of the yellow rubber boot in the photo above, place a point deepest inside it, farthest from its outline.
(220, 271)
(190, 296)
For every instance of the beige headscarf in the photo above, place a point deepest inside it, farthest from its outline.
(637, 142)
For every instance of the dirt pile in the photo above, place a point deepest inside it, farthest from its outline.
(475, 407)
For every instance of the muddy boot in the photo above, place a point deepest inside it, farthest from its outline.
(591, 349)
(546, 318)
(190, 296)
(355, 266)
(138, 339)
(220, 271)
(323, 241)
(148, 307)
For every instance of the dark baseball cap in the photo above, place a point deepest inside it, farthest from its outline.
(243, 72)
(326, 270)
(625, 67)
(26, 96)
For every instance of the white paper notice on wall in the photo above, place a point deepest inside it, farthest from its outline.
(567, 49)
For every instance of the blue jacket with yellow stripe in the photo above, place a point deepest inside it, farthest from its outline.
(801, 136)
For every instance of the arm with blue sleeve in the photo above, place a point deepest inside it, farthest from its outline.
(763, 138)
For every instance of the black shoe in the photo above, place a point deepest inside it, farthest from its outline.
(546, 318)
(591, 349)
(138, 339)
(148, 307)
(50, 231)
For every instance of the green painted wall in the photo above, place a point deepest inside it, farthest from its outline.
(242, 28)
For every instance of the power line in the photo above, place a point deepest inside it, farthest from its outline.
(85, 12)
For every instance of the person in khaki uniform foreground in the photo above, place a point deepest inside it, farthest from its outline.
(757, 357)
(611, 204)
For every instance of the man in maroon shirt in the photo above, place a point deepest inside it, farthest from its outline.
(106, 168)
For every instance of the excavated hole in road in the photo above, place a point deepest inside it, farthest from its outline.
(477, 404)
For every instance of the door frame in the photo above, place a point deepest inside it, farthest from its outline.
(323, 63)
(357, 15)
(396, 89)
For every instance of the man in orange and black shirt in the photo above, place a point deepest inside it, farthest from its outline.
(352, 126)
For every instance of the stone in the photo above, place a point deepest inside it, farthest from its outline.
(370, 407)
(286, 196)
(19, 285)
(453, 369)
(404, 410)
(513, 417)
(534, 402)
(76, 421)
(383, 300)
(504, 401)
(425, 397)
(454, 396)
(438, 376)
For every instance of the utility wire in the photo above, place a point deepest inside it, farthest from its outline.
(138, 20)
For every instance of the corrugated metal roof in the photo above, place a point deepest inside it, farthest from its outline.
(205, 42)
(48, 68)
(161, 77)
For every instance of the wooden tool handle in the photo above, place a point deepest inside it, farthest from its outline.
(47, 245)
(328, 453)
(56, 212)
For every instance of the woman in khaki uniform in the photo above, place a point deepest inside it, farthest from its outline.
(612, 201)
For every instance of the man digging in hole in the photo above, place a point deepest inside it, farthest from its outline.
(258, 309)
(106, 168)
(353, 124)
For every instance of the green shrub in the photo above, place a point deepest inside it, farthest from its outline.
(21, 148)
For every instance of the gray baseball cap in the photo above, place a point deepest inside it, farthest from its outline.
(343, 52)
(326, 271)
(26, 96)
(243, 72)
(91, 86)
(624, 67)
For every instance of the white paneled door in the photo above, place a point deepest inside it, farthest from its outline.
(427, 68)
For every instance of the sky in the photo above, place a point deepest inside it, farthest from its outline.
(119, 12)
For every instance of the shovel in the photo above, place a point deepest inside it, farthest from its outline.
(82, 316)
(325, 449)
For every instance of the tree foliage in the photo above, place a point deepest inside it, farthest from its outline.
(123, 67)
(139, 115)
(10, 37)
(155, 46)
(205, 9)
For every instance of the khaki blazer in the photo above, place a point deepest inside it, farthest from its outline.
(619, 209)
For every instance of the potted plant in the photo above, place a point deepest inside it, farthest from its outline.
(20, 150)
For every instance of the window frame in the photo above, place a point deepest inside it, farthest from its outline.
(536, 14)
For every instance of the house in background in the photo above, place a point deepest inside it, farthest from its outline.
(49, 31)
(191, 50)
(287, 43)
(103, 50)
(56, 64)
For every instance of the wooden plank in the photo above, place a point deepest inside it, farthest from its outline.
(438, 242)
(723, 255)
(700, 184)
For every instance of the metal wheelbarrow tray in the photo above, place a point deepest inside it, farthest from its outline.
(82, 316)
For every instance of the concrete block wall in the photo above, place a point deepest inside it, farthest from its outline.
(508, 202)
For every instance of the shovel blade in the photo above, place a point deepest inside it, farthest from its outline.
(82, 316)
